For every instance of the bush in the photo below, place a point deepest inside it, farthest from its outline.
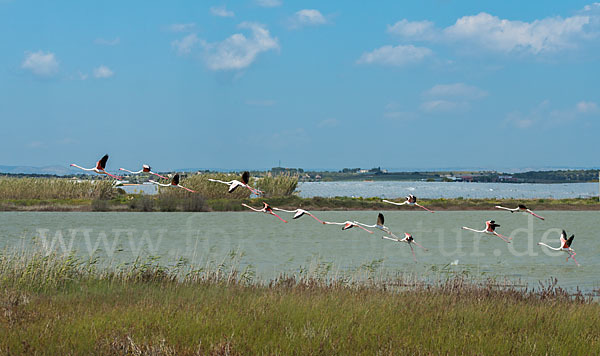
(55, 188)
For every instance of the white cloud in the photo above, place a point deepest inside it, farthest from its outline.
(186, 44)
(495, 34)
(395, 56)
(442, 105)
(416, 30)
(268, 3)
(182, 27)
(587, 107)
(40, 63)
(221, 11)
(238, 51)
(307, 17)
(544, 115)
(104, 42)
(103, 72)
(460, 90)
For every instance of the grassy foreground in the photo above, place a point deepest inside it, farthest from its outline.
(58, 305)
(190, 202)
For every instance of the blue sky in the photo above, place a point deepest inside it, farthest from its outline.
(244, 84)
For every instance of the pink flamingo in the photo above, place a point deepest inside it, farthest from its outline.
(265, 209)
(174, 183)
(100, 167)
(490, 229)
(565, 246)
(145, 169)
(410, 200)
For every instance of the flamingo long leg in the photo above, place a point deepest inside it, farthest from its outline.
(188, 189)
(506, 239)
(421, 206)
(534, 214)
(413, 252)
(158, 175)
(279, 217)
(369, 231)
(420, 246)
(572, 255)
(314, 217)
(115, 177)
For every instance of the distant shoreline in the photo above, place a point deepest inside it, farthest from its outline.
(152, 204)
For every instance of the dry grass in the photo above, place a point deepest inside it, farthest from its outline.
(54, 188)
(279, 186)
(61, 305)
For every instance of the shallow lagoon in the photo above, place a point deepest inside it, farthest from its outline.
(269, 247)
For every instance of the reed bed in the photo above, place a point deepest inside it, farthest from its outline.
(54, 188)
(51, 304)
(278, 186)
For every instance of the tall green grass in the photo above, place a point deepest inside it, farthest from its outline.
(54, 188)
(278, 186)
(61, 305)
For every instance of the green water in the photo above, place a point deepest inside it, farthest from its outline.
(271, 247)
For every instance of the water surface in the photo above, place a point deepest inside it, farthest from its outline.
(270, 247)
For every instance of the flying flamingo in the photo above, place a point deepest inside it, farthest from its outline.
(298, 213)
(521, 208)
(379, 225)
(347, 225)
(234, 184)
(174, 183)
(100, 168)
(265, 209)
(145, 169)
(565, 246)
(408, 239)
(410, 200)
(490, 227)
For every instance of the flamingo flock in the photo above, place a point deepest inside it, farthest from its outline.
(411, 200)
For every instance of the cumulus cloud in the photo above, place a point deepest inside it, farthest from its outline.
(307, 17)
(221, 11)
(492, 33)
(268, 3)
(416, 30)
(103, 72)
(460, 90)
(105, 42)
(395, 56)
(238, 51)
(181, 27)
(40, 63)
(185, 45)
